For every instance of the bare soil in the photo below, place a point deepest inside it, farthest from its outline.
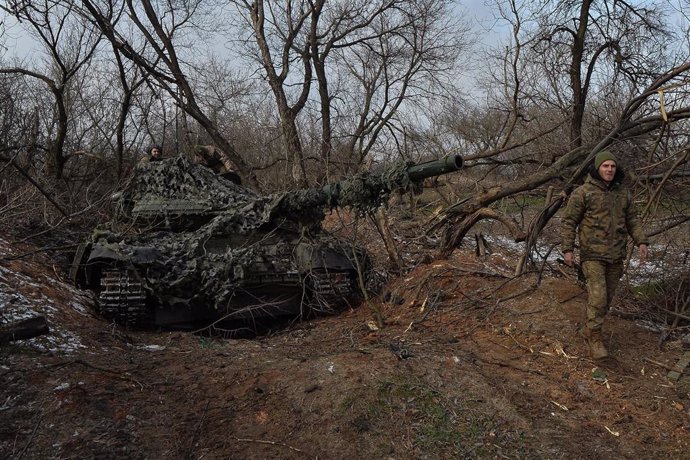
(471, 363)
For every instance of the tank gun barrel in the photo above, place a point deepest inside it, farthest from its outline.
(363, 191)
(433, 168)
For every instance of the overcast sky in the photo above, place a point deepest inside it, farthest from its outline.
(479, 14)
(16, 42)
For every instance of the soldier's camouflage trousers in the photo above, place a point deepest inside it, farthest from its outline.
(602, 281)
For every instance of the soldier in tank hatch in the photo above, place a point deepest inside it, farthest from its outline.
(154, 153)
(215, 159)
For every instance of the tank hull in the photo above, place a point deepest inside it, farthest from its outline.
(157, 281)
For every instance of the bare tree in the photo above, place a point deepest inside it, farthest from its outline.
(408, 63)
(283, 25)
(640, 116)
(130, 81)
(154, 36)
(367, 59)
(587, 47)
(610, 57)
(70, 44)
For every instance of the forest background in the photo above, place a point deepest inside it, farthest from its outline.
(300, 93)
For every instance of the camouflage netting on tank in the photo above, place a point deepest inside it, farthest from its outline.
(205, 239)
(176, 184)
(179, 179)
(180, 264)
(241, 222)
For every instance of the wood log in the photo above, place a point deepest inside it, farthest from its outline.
(24, 329)
(680, 366)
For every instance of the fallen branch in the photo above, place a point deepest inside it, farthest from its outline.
(33, 434)
(40, 250)
(525, 291)
(24, 329)
(657, 363)
(676, 314)
(427, 309)
(511, 366)
(272, 443)
(121, 374)
(568, 299)
(197, 431)
(33, 182)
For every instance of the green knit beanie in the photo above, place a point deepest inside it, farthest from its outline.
(602, 157)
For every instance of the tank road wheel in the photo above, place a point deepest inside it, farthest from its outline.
(122, 298)
(331, 291)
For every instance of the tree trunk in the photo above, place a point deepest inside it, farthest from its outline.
(579, 93)
(381, 221)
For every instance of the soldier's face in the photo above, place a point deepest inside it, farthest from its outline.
(607, 170)
(155, 153)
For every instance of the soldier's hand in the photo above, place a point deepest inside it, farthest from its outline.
(644, 252)
(568, 257)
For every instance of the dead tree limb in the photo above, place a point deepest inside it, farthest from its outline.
(381, 221)
(38, 186)
(458, 219)
(24, 329)
(40, 250)
(455, 234)
(536, 226)
(271, 443)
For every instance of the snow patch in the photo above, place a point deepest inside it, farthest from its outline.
(151, 347)
(22, 298)
(80, 308)
(61, 387)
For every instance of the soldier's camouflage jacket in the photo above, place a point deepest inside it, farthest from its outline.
(603, 216)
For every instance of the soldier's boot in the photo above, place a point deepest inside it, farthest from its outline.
(596, 345)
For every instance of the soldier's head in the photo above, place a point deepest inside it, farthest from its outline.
(156, 152)
(200, 154)
(605, 165)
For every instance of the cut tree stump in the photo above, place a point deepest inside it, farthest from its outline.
(24, 329)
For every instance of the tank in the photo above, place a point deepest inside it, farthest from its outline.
(188, 248)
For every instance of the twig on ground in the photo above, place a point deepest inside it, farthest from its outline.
(521, 345)
(518, 294)
(33, 433)
(272, 443)
(568, 299)
(511, 366)
(428, 309)
(119, 373)
(44, 249)
(506, 282)
(657, 363)
(195, 435)
(543, 264)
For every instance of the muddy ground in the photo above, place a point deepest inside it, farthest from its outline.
(471, 363)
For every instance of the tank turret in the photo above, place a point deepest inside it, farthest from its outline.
(188, 247)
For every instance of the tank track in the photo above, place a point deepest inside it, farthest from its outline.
(122, 298)
(331, 291)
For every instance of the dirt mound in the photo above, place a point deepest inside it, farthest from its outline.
(472, 362)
